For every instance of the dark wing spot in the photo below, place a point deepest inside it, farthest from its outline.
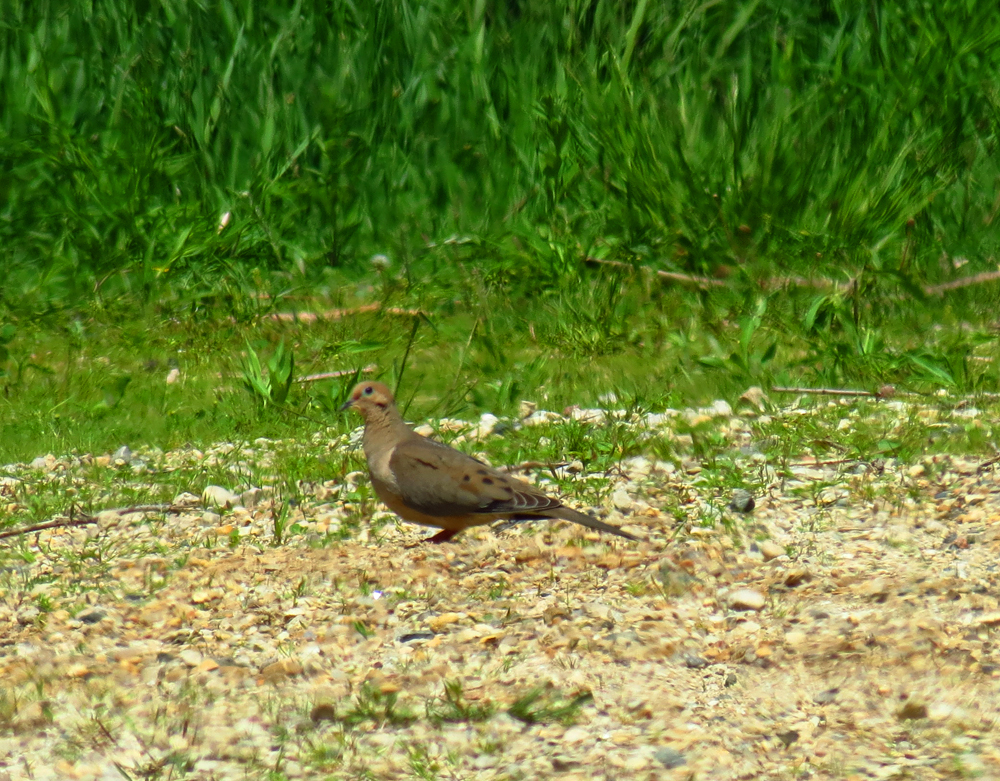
(467, 478)
(482, 472)
(426, 463)
(487, 481)
(508, 489)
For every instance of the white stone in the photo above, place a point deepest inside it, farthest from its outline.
(621, 500)
(191, 657)
(746, 599)
(217, 496)
(722, 408)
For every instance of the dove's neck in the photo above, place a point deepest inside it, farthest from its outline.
(382, 433)
(384, 430)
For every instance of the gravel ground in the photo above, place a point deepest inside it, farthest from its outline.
(846, 627)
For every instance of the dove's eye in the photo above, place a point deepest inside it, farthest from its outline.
(369, 390)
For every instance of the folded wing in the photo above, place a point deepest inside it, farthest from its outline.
(436, 480)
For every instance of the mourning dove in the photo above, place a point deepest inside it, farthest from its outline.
(429, 483)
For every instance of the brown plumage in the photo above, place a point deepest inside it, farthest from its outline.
(429, 483)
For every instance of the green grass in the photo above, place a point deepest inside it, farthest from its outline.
(172, 175)
(754, 133)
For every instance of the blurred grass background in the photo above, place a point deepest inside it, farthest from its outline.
(487, 149)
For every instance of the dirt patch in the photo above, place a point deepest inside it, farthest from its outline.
(847, 632)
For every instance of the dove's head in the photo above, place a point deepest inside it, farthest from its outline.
(370, 398)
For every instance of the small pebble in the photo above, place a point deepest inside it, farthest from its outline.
(217, 496)
(796, 577)
(746, 599)
(694, 661)
(788, 738)
(754, 397)
(722, 408)
(122, 456)
(742, 501)
(92, 616)
(251, 497)
(323, 711)
(669, 757)
(825, 697)
(413, 636)
(191, 657)
(621, 500)
(912, 710)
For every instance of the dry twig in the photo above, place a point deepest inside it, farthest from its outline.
(85, 519)
(975, 279)
(778, 282)
(333, 375)
(340, 314)
(687, 279)
(527, 466)
(709, 282)
(882, 393)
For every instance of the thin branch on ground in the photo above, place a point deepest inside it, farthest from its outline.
(882, 393)
(334, 375)
(772, 283)
(340, 314)
(686, 279)
(527, 466)
(85, 519)
(824, 391)
(975, 279)
(828, 462)
(988, 463)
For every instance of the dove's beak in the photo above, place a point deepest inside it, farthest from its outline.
(346, 405)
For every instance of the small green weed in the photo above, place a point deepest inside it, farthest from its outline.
(372, 705)
(452, 706)
(546, 704)
(273, 386)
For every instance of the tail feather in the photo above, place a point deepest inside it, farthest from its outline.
(567, 514)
